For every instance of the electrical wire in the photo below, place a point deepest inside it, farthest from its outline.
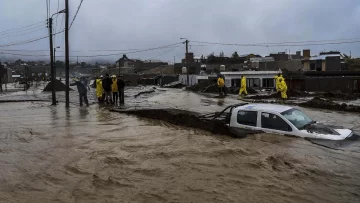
(76, 14)
(5, 32)
(62, 20)
(167, 51)
(27, 41)
(22, 33)
(139, 51)
(143, 50)
(278, 44)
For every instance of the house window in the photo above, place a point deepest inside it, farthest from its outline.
(312, 66)
(268, 83)
(253, 82)
(355, 86)
(247, 118)
(274, 122)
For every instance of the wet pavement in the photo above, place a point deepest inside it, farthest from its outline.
(53, 154)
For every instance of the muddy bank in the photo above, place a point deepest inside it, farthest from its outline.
(59, 86)
(320, 103)
(186, 119)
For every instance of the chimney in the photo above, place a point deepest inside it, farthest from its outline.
(306, 53)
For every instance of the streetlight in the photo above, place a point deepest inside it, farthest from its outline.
(52, 57)
(58, 47)
(187, 60)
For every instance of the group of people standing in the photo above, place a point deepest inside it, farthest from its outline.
(110, 90)
(280, 86)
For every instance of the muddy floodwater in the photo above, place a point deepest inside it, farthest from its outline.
(50, 154)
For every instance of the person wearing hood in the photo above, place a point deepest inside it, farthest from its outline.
(115, 90)
(121, 87)
(221, 84)
(99, 89)
(283, 89)
(243, 87)
(82, 89)
(107, 86)
(277, 81)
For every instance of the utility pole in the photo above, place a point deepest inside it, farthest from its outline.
(67, 62)
(53, 95)
(187, 61)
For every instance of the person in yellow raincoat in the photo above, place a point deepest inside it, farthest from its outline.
(283, 89)
(243, 87)
(277, 81)
(114, 89)
(221, 83)
(99, 89)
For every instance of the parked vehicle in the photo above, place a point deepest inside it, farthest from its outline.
(278, 119)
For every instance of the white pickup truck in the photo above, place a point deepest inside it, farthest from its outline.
(242, 119)
(280, 119)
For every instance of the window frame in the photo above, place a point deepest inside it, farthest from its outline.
(256, 122)
(290, 125)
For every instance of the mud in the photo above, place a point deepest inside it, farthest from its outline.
(319, 103)
(186, 119)
(59, 86)
(53, 154)
(145, 92)
(92, 155)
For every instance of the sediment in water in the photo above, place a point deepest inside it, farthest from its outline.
(187, 119)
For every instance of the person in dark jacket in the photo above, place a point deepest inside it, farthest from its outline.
(107, 84)
(121, 87)
(82, 89)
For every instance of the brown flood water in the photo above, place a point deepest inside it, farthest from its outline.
(48, 154)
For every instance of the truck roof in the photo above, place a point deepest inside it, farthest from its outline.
(265, 107)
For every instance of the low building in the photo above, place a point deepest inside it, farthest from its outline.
(330, 61)
(255, 79)
(324, 81)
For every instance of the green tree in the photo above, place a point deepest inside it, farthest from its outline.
(235, 55)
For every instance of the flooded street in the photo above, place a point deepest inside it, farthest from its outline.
(50, 154)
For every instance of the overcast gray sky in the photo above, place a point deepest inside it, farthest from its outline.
(141, 24)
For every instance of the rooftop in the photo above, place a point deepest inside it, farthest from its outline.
(251, 73)
(266, 107)
(323, 57)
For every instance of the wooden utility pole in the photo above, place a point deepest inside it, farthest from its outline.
(53, 95)
(67, 61)
(187, 62)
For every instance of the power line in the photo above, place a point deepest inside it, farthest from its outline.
(62, 20)
(20, 28)
(167, 51)
(22, 33)
(27, 41)
(279, 44)
(75, 14)
(144, 50)
(22, 54)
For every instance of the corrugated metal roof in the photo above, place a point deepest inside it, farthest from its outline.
(323, 57)
(251, 73)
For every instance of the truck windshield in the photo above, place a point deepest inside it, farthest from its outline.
(297, 118)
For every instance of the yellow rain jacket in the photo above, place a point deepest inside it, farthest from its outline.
(243, 86)
(283, 89)
(220, 82)
(114, 86)
(277, 78)
(99, 88)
